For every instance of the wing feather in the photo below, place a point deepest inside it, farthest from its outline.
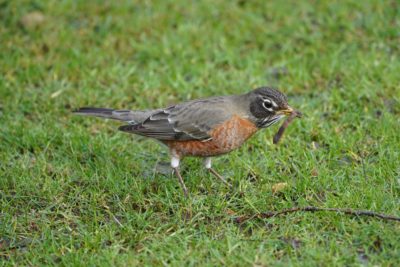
(191, 120)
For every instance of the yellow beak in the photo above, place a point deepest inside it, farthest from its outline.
(289, 110)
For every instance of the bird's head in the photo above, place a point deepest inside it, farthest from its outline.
(268, 106)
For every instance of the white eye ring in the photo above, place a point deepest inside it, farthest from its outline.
(270, 104)
(267, 108)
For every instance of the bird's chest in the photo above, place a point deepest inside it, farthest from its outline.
(225, 138)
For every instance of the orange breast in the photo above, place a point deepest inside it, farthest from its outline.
(225, 137)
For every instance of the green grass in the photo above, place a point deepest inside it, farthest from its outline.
(74, 191)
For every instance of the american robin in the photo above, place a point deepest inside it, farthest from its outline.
(203, 127)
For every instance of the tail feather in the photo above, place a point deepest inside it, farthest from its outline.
(122, 115)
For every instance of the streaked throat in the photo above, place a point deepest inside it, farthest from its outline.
(266, 122)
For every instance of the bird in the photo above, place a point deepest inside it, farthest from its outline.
(205, 127)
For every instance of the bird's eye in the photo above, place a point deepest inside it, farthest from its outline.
(267, 104)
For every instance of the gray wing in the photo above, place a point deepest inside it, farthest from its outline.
(191, 120)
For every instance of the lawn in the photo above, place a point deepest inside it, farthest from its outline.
(75, 191)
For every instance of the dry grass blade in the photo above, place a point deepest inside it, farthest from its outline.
(269, 214)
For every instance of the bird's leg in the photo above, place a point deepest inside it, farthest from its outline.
(181, 182)
(175, 166)
(207, 164)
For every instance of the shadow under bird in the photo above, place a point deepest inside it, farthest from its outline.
(203, 127)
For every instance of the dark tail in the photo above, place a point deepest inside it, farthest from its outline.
(122, 115)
